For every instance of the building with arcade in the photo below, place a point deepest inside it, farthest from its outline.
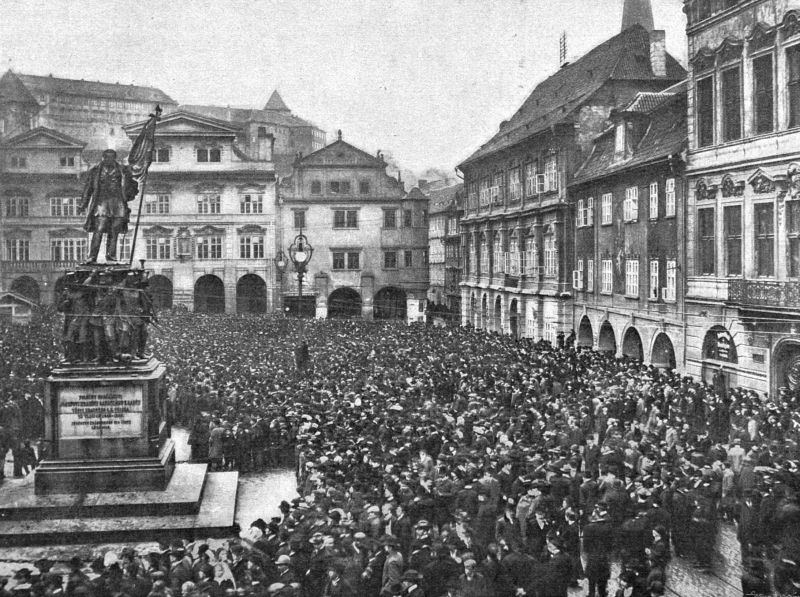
(370, 237)
(743, 212)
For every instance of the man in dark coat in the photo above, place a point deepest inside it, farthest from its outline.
(108, 190)
(598, 536)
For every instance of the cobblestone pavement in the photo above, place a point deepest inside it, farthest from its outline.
(260, 494)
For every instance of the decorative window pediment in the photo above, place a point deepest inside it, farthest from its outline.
(251, 188)
(67, 233)
(209, 231)
(208, 187)
(705, 192)
(791, 24)
(761, 182)
(761, 37)
(730, 50)
(157, 231)
(703, 60)
(158, 189)
(251, 229)
(731, 188)
(18, 233)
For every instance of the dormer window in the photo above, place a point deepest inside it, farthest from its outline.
(619, 140)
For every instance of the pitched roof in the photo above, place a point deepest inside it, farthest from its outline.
(416, 193)
(442, 198)
(341, 149)
(14, 90)
(276, 102)
(626, 56)
(62, 138)
(666, 135)
(56, 85)
(240, 116)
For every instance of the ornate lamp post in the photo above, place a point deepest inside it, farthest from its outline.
(280, 267)
(300, 252)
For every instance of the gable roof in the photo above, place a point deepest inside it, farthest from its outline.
(276, 102)
(58, 86)
(206, 125)
(58, 139)
(14, 296)
(442, 198)
(666, 135)
(240, 116)
(626, 56)
(14, 90)
(338, 150)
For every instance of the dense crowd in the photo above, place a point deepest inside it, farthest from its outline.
(449, 462)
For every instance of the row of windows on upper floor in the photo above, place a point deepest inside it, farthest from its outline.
(340, 187)
(699, 10)
(721, 94)
(393, 218)
(584, 209)
(508, 184)
(158, 204)
(202, 155)
(727, 256)
(20, 162)
(93, 102)
(662, 283)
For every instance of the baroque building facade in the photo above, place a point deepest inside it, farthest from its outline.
(628, 202)
(517, 230)
(743, 213)
(370, 237)
(444, 247)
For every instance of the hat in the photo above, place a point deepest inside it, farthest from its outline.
(411, 575)
(470, 562)
(283, 560)
(390, 540)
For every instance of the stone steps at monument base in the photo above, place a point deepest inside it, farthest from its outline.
(215, 517)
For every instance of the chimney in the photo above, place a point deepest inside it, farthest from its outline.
(658, 53)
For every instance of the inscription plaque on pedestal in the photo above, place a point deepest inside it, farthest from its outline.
(105, 412)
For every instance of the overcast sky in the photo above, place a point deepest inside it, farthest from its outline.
(427, 81)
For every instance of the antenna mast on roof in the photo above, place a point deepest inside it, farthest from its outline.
(562, 49)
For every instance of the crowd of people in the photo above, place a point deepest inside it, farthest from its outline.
(441, 461)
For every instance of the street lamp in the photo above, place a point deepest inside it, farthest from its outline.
(300, 252)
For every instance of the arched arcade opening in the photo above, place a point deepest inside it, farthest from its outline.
(209, 295)
(27, 287)
(585, 333)
(663, 353)
(389, 303)
(344, 303)
(606, 341)
(251, 294)
(632, 345)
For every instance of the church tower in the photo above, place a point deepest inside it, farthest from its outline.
(637, 12)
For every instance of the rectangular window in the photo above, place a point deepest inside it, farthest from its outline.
(514, 185)
(580, 214)
(579, 277)
(669, 207)
(17, 207)
(631, 204)
(299, 218)
(496, 190)
(632, 277)
(732, 104)
(732, 216)
(551, 174)
(251, 247)
(672, 280)
(339, 187)
(653, 200)
(202, 155)
(209, 247)
(158, 248)
(214, 155)
(764, 94)
(353, 260)
(316, 187)
(251, 204)
(590, 275)
(793, 83)
(345, 218)
(66, 161)
(704, 96)
(338, 260)
(65, 206)
(408, 258)
(161, 155)
(705, 233)
(590, 211)
(363, 187)
(793, 234)
(765, 239)
(390, 260)
(68, 249)
(208, 204)
(654, 279)
(19, 162)
(18, 249)
(156, 204)
(606, 276)
(390, 218)
(124, 247)
(606, 209)
(472, 196)
(484, 192)
(408, 218)
(550, 257)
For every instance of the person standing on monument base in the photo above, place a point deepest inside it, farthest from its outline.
(108, 190)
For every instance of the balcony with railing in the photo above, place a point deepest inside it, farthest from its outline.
(764, 293)
(37, 266)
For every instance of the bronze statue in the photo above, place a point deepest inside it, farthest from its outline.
(108, 190)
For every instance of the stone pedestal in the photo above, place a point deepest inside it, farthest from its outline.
(106, 429)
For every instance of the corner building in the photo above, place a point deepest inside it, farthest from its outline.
(743, 213)
(370, 237)
(517, 227)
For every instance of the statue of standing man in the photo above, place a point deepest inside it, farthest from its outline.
(109, 188)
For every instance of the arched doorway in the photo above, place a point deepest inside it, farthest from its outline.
(663, 353)
(161, 291)
(344, 302)
(497, 323)
(513, 318)
(27, 287)
(251, 294)
(390, 303)
(484, 311)
(209, 295)
(786, 368)
(632, 345)
(606, 341)
(719, 349)
(585, 333)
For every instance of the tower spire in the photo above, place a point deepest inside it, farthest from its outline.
(637, 12)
